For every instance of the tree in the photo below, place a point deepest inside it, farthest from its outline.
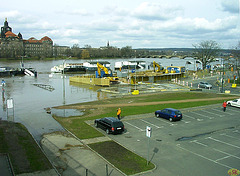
(206, 51)
(85, 54)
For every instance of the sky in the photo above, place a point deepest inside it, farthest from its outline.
(135, 23)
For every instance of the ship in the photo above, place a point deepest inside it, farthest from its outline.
(69, 68)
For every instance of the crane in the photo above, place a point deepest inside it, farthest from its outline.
(160, 68)
(106, 73)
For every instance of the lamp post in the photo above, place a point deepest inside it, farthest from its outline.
(222, 74)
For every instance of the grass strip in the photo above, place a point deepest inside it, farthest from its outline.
(85, 131)
(25, 155)
(125, 160)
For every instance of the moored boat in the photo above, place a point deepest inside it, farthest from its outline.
(69, 67)
(130, 65)
(92, 65)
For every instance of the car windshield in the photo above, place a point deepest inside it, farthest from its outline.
(178, 112)
(117, 124)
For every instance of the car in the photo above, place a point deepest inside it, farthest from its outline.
(235, 103)
(110, 125)
(169, 113)
(205, 85)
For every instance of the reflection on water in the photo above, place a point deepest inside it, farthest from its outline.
(66, 112)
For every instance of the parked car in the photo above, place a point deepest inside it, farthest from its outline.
(169, 113)
(235, 102)
(205, 85)
(110, 125)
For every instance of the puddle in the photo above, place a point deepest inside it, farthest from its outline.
(66, 112)
(191, 137)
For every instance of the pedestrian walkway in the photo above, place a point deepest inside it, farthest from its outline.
(5, 166)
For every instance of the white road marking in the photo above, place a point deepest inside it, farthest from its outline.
(202, 115)
(151, 124)
(223, 142)
(223, 158)
(212, 113)
(178, 145)
(185, 121)
(134, 126)
(224, 134)
(195, 141)
(226, 153)
(165, 121)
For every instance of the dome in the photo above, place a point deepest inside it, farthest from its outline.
(46, 38)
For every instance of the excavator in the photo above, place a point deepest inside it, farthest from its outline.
(160, 68)
(103, 72)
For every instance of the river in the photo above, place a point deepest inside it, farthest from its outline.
(30, 101)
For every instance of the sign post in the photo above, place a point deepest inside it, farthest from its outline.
(10, 105)
(148, 134)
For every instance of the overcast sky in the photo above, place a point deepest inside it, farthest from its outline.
(136, 23)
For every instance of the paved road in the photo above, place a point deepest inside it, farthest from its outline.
(205, 142)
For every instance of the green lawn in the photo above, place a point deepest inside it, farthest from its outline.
(125, 160)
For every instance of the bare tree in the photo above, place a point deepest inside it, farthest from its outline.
(206, 51)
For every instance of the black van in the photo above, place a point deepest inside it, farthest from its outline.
(110, 125)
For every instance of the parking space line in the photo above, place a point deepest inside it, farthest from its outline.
(226, 153)
(234, 110)
(222, 111)
(202, 115)
(192, 117)
(185, 121)
(236, 131)
(178, 145)
(212, 113)
(223, 158)
(134, 126)
(151, 124)
(223, 142)
(224, 134)
(171, 124)
(195, 141)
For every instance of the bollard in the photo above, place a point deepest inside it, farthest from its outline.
(191, 84)
(183, 83)
(187, 84)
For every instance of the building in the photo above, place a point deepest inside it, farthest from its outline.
(12, 45)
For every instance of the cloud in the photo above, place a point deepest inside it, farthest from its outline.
(156, 11)
(231, 6)
(9, 14)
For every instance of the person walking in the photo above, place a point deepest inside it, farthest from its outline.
(224, 105)
(119, 113)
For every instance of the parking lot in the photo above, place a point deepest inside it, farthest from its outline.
(205, 142)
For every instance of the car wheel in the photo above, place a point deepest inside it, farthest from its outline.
(107, 131)
(157, 115)
(229, 104)
(170, 119)
(96, 124)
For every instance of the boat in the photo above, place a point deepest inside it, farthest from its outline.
(92, 65)
(68, 68)
(130, 65)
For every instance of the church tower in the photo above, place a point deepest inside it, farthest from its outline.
(5, 29)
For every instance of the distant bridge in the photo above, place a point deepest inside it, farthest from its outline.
(166, 56)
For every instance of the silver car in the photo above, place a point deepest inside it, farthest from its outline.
(205, 85)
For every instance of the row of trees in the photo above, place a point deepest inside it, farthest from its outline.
(103, 52)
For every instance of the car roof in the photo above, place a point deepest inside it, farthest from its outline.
(113, 119)
(171, 109)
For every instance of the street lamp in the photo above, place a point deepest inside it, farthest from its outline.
(222, 74)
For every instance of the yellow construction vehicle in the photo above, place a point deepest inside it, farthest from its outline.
(103, 72)
(160, 68)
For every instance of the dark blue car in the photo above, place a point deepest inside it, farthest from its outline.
(169, 113)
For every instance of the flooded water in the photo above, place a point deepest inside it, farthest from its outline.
(30, 101)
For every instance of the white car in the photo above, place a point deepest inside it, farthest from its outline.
(235, 102)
